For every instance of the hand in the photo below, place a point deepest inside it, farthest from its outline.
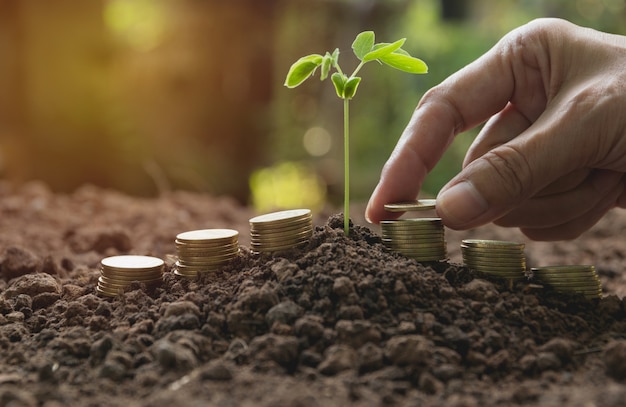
(552, 156)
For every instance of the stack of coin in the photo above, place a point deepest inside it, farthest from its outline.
(495, 258)
(280, 231)
(422, 239)
(411, 206)
(205, 250)
(118, 272)
(581, 279)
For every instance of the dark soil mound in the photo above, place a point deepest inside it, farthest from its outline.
(340, 322)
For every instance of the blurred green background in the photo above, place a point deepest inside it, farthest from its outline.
(149, 96)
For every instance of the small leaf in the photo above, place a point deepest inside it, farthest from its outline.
(405, 62)
(382, 49)
(351, 86)
(326, 63)
(363, 44)
(302, 69)
(335, 57)
(339, 81)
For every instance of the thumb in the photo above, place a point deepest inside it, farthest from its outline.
(501, 179)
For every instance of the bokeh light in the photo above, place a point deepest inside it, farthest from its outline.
(317, 141)
(287, 185)
(139, 23)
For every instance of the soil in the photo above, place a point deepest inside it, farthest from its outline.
(339, 322)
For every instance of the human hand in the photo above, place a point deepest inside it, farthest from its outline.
(551, 158)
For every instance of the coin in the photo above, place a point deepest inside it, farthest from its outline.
(132, 262)
(492, 244)
(570, 279)
(412, 224)
(118, 272)
(495, 258)
(205, 250)
(207, 235)
(281, 217)
(281, 230)
(417, 205)
(422, 239)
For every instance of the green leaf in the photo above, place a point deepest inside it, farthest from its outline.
(339, 81)
(363, 44)
(383, 49)
(351, 86)
(335, 57)
(405, 62)
(302, 69)
(326, 63)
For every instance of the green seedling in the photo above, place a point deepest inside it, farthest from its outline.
(366, 50)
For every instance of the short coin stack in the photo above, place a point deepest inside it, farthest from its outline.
(581, 279)
(118, 272)
(422, 239)
(280, 231)
(205, 250)
(495, 258)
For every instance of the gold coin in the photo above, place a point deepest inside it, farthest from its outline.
(590, 287)
(500, 271)
(203, 263)
(566, 277)
(564, 269)
(414, 245)
(281, 236)
(234, 250)
(491, 249)
(108, 293)
(422, 235)
(132, 262)
(207, 246)
(412, 223)
(129, 279)
(207, 236)
(486, 266)
(281, 217)
(294, 228)
(495, 262)
(186, 273)
(564, 274)
(496, 256)
(491, 244)
(307, 227)
(417, 205)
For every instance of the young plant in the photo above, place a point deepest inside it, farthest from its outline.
(366, 50)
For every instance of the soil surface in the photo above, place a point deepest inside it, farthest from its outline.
(339, 322)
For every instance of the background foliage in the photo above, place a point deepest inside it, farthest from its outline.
(146, 96)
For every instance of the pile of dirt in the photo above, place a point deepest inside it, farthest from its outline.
(341, 321)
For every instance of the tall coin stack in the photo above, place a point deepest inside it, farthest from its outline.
(495, 258)
(205, 250)
(422, 239)
(118, 272)
(581, 279)
(280, 231)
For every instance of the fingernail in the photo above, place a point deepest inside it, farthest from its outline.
(461, 204)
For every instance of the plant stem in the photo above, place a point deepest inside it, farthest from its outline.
(346, 167)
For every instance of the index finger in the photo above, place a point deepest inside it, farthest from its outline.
(464, 100)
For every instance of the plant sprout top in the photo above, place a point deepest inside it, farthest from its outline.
(366, 50)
